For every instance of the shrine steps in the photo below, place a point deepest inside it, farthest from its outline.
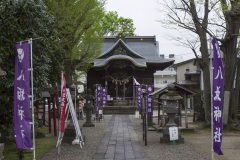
(119, 110)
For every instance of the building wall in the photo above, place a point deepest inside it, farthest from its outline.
(168, 75)
(162, 78)
(181, 70)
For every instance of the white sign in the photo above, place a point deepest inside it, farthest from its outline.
(136, 114)
(173, 133)
(73, 114)
(70, 106)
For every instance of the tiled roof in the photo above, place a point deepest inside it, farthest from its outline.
(177, 87)
(141, 51)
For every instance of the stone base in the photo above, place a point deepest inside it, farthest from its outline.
(88, 125)
(69, 134)
(1, 151)
(167, 140)
(150, 121)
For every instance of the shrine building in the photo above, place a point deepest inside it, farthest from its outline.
(122, 59)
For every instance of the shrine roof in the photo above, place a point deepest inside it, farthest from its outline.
(179, 89)
(140, 50)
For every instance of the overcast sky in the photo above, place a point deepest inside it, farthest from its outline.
(145, 14)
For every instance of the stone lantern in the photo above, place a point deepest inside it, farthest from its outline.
(88, 107)
(171, 98)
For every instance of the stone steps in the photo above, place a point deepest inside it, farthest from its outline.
(119, 110)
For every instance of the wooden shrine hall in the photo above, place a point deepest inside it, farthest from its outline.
(122, 59)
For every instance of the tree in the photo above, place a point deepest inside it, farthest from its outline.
(20, 20)
(113, 25)
(77, 26)
(81, 29)
(185, 15)
(225, 17)
(231, 13)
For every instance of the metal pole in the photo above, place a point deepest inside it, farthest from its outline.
(54, 115)
(20, 154)
(134, 92)
(75, 104)
(49, 116)
(145, 119)
(34, 152)
(211, 83)
(185, 107)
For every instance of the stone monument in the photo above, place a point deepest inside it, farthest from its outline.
(88, 108)
(171, 98)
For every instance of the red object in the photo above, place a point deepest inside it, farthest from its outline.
(63, 104)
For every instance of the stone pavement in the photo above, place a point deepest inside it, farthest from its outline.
(120, 141)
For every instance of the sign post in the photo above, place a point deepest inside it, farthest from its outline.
(66, 96)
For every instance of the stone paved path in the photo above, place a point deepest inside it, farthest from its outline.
(120, 141)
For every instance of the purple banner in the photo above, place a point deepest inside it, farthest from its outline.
(104, 96)
(217, 97)
(139, 97)
(149, 100)
(22, 111)
(98, 96)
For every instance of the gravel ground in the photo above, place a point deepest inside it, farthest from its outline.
(196, 147)
(156, 150)
(92, 136)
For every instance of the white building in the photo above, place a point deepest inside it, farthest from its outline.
(168, 75)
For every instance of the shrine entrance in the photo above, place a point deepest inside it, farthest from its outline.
(119, 80)
(120, 91)
(122, 59)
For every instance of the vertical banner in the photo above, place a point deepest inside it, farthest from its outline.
(139, 97)
(63, 104)
(104, 96)
(149, 100)
(22, 108)
(98, 96)
(217, 97)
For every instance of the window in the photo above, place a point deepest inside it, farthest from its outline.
(162, 56)
(171, 55)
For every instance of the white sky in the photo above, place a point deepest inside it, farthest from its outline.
(144, 14)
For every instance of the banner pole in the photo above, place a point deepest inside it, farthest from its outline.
(33, 121)
(211, 83)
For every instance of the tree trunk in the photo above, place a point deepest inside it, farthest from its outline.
(229, 74)
(235, 98)
(206, 79)
(69, 70)
(201, 32)
(229, 48)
